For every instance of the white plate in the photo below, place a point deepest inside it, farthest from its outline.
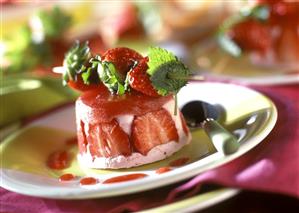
(217, 64)
(25, 152)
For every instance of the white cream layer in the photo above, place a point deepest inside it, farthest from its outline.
(157, 153)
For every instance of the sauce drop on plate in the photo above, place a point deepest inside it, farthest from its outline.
(88, 181)
(58, 160)
(163, 170)
(124, 178)
(66, 177)
(179, 162)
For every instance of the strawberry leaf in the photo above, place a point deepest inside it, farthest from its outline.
(110, 77)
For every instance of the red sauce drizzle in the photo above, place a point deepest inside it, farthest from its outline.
(58, 160)
(163, 170)
(71, 141)
(66, 177)
(179, 162)
(125, 178)
(88, 181)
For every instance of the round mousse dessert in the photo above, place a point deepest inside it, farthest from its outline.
(127, 113)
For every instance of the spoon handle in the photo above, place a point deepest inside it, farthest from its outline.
(222, 139)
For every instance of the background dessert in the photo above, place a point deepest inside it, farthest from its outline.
(267, 31)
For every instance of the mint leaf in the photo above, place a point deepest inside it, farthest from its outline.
(168, 74)
(158, 56)
(170, 77)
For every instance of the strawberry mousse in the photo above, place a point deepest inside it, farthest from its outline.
(127, 113)
(127, 131)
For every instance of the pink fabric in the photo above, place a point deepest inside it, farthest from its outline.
(272, 166)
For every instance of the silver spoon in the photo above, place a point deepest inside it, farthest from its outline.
(199, 114)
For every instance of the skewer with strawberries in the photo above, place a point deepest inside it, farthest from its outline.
(122, 70)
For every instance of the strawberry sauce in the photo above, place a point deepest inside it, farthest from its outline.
(179, 162)
(163, 170)
(124, 178)
(58, 160)
(66, 177)
(88, 181)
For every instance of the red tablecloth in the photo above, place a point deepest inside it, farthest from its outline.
(272, 166)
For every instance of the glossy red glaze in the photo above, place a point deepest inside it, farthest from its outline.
(100, 105)
(88, 181)
(163, 170)
(179, 162)
(58, 160)
(124, 178)
(66, 177)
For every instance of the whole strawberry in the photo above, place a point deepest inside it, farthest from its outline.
(139, 79)
(123, 59)
(251, 35)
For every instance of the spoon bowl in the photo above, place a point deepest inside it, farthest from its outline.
(199, 114)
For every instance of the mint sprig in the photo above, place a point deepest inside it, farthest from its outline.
(167, 74)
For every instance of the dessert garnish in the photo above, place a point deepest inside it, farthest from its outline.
(122, 69)
(162, 170)
(88, 181)
(66, 177)
(124, 178)
(58, 160)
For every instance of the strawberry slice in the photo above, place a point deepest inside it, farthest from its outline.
(123, 58)
(251, 35)
(108, 140)
(152, 129)
(140, 80)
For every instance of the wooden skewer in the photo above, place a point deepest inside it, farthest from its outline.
(58, 70)
(61, 69)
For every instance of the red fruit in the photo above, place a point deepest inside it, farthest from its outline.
(123, 59)
(251, 35)
(152, 129)
(140, 80)
(108, 140)
(80, 86)
(58, 160)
